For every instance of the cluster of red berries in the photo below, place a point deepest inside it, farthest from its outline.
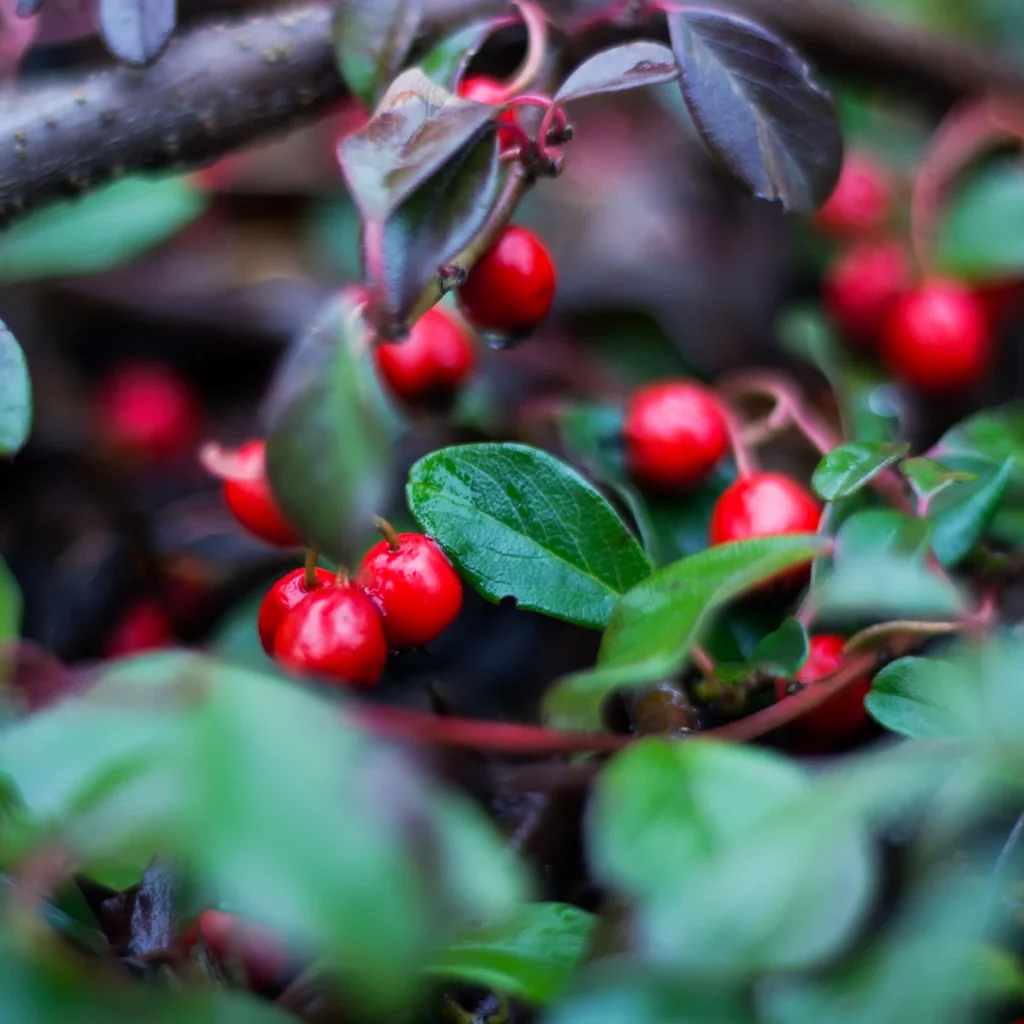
(932, 333)
(405, 594)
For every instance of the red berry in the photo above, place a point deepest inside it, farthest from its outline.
(842, 714)
(281, 598)
(863, 284)
(432, 362)
(335, 632)
(145, 626)
(763, 505)
(675, 434)
(417, 590)
(253, 504)
(148, 411)
(511, 287)
(490, 91)
(235, 941)
(937, 337)
(860, 202)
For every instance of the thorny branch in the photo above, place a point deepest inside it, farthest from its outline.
(219, 87)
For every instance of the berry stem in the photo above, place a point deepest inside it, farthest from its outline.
(702, 660)
(868, 639)
(537, 44)
(389, 533)
(746, 463)
(341, 576)
(309, 581)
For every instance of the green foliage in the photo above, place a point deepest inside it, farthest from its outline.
(15, 394)
(10, 606)
(446, 62)
(848, 468)
(100, 231)
(519, 523)
(962, 513)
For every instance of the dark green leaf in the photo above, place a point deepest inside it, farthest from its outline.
(887, 586)
(961, 515)
(446, 62)
(875, 533)
(694, 831)
(532, 955)
(867, 413)
(922, 698)
(653, 627)
(784, 651)
(328, 439)
(981, 236)
(136, 31)
(849, 467)
(631, 66)
(371, 39)
(415, 131)
(758, 107)
(519, 523)
(432, 227)
(102, 230)
(993, 434)
(928, 477)
(15, 394)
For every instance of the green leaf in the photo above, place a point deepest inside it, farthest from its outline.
(867, 414)
(15, 394)
(328, 436)
(446, 62)
(653, 627)
(631, 66)
(928, 478)
(10, 606)
(993, 434)
(417, 128)
(921, 698)
(532, 955)
(734, 867)
(981, 237)
(519, 523)
(102, 230)
(846, 469)
(886, 586)
(371, 39)
(253, 785)
(962, 514)
(431, 228)
(877, 532)
(784, 651)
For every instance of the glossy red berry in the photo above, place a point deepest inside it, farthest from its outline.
(763, 505)
(863, 284)
(675, 434)
(281, 598)
(251, 501)
(484, 89)
(415, 587)
(148, 411)
(236, 942)
(842, 714)
(433, 361)
(512, 286)
(145, 626)
(860, 202)
(336, 633)
(937, 337)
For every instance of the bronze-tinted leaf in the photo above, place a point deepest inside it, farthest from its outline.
(623, 67)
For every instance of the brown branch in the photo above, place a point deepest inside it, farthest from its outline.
(218, 88)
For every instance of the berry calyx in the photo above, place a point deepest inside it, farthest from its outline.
(512, 285)
(433, 361)
(863, 284)
(860, 202)
(842, 714)
(145, 626)
(763, 505)
(235, 941)
(675, 434)
(282, 597)
(251, 501)
(484, 89)
(416, 588)
(937, 337)
(148, 411)
(336, 633)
